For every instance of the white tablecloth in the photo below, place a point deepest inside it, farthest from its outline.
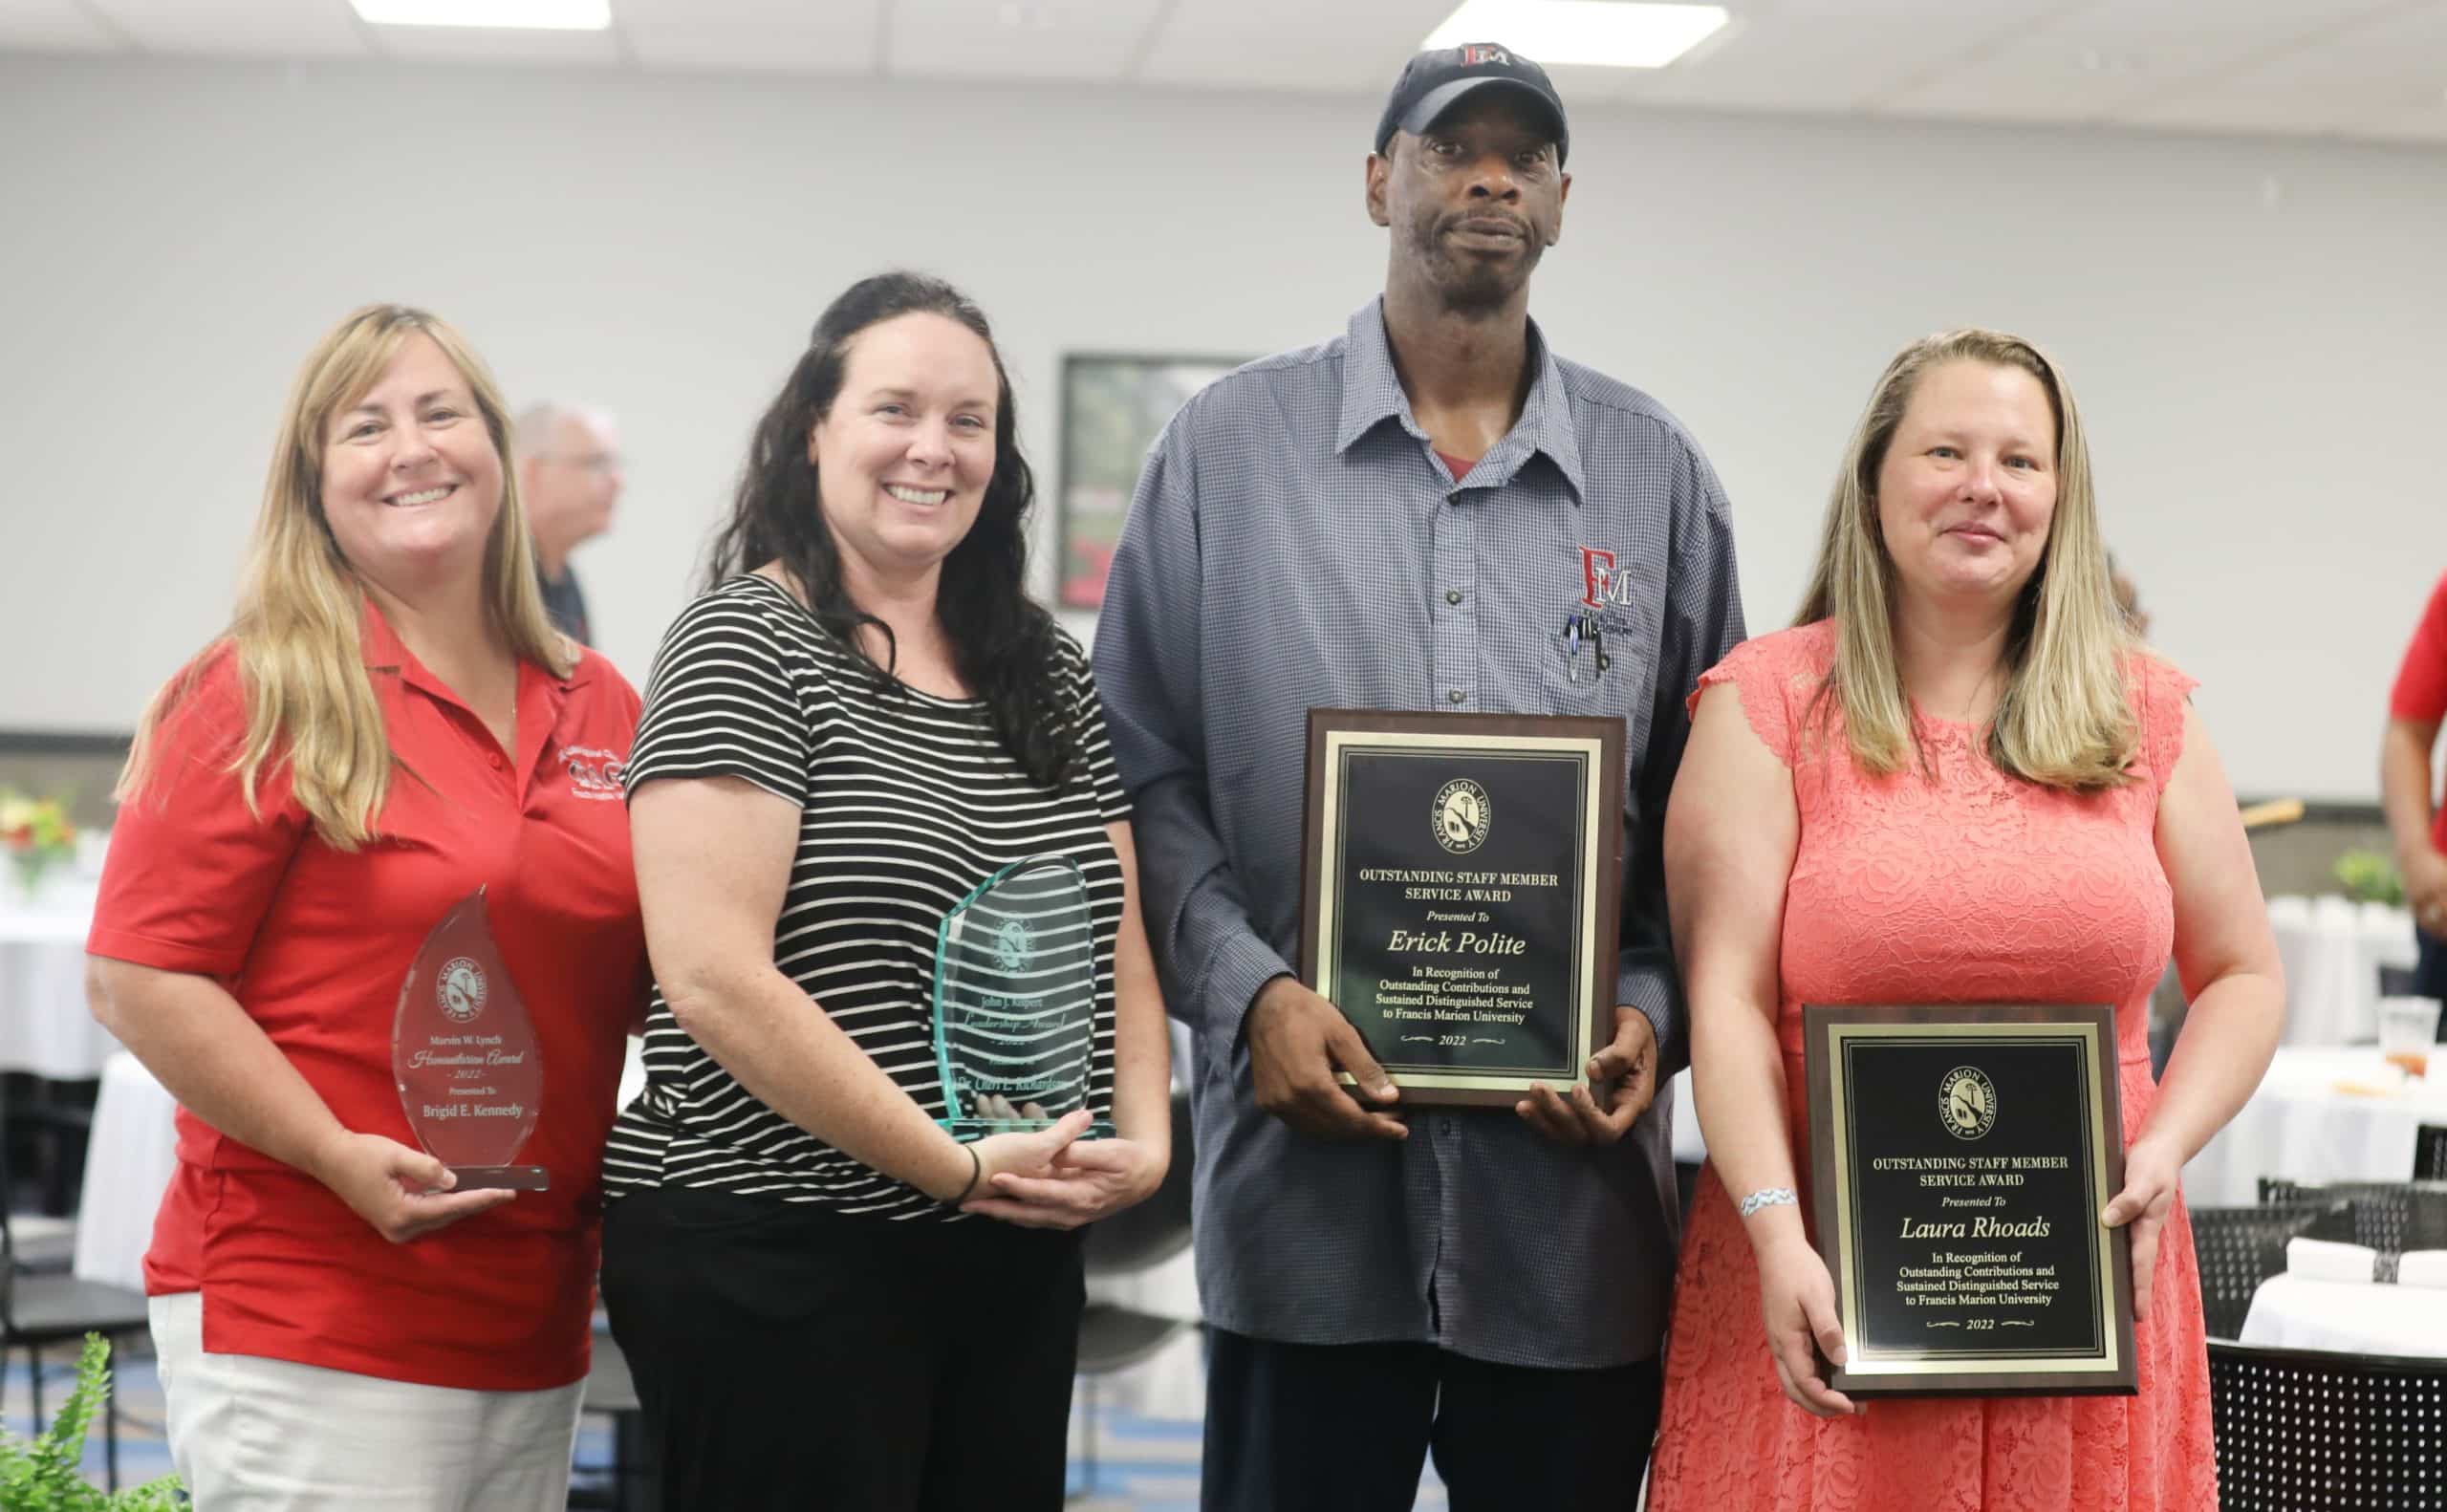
(45, 1027)
(2332, 950)
(127, 1167)
(2351, 1317)
(2307, 1123)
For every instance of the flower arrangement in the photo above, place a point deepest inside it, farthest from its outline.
(35, 834)
(41, 1475)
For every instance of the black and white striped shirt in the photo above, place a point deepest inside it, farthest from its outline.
(906, 802)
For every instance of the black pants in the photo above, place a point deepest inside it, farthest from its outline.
(1294, 1427)
(2430, 966)
(787, 1357)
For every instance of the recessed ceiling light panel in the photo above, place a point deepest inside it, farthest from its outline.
(1600, 34)
(531, 16)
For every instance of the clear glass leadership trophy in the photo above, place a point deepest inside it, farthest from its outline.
(1015, 1001)
(463, 1054)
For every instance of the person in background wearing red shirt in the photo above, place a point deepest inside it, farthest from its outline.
(2415, 705)
(389, 723)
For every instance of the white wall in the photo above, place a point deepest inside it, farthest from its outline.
(2252, 326)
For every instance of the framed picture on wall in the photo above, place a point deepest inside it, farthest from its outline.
(1112, 408)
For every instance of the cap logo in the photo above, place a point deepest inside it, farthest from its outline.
(1480, 53)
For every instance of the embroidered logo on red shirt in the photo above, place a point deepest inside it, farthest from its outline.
(594, 772)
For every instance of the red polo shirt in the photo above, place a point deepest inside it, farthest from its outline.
(2420, 691)
(314, 943)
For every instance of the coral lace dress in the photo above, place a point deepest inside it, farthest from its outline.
(1972, 887)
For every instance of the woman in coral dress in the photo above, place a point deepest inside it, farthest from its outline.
(1957, 780)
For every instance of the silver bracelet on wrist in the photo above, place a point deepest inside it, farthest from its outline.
(1769, 1196)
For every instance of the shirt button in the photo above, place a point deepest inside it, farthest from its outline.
(1451, 596)
(493, 757)
(1444, 1126)
(1455, 696)
(1604, 661)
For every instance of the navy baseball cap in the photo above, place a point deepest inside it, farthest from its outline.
(1432, 83)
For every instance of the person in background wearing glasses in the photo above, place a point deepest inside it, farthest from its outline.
(569, 471)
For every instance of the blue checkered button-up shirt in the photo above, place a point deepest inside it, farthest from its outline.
(1295, 543)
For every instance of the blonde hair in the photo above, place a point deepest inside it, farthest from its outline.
(2061, 720)
(311, 704)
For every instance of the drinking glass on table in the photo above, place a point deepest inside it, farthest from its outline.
(2408, 1029)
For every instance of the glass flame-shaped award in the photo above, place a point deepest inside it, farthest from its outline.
(1015, 1001)
(463, 1054)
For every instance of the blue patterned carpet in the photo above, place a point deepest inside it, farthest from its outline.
(1142, 1425)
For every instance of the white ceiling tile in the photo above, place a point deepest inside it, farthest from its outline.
(2382, 76)
(845, 37)
(1015, 40)
(460, 44)
(1263, 45)
(2354, 68)
(2102, 61)
(52, 26)
(2419, 125)
(1810, 56)
(292, 29)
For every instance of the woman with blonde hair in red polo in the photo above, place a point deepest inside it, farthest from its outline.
(388, 725)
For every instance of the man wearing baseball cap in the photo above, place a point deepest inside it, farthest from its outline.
(1432, 510)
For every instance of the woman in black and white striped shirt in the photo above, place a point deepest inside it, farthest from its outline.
(827, 1300)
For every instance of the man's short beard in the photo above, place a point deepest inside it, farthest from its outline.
(1469, 286)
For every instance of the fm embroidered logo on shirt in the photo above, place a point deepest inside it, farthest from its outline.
(461, 989)
(1600, 586)
(1462, 816)
(595, 773)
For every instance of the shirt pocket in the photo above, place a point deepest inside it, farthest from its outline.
(1609, 675)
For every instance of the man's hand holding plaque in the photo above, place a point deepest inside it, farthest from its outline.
(1621, 1083)
(1297, 1043)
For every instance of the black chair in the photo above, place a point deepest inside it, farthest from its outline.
(2279, 1188)
(2307, 1430)
(1112, 1337)
(2238, 1248)
(2430, 1154)
(43, 1310)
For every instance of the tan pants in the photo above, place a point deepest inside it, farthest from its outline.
(251, 1435)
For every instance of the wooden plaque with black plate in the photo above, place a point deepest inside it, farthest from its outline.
(1461, 894)
(1959, 1159)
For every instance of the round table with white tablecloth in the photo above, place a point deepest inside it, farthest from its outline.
(2321, 1114)
(2332, 950)
(45, 1027)
(128, 1166)
(2351, 1317)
